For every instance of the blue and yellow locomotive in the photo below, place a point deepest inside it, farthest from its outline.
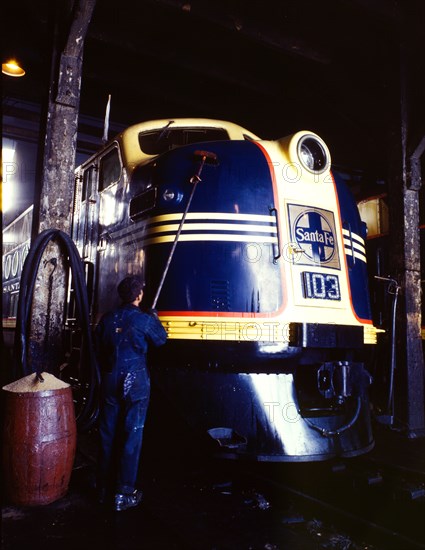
(254, 254)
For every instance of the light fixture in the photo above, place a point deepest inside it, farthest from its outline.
(12, 68)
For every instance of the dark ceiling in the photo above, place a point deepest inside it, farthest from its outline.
(275, 67)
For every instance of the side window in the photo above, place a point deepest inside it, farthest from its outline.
(109, 169)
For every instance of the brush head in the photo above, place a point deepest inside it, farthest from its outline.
(207, 156)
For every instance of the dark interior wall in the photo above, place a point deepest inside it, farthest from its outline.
(274, 67)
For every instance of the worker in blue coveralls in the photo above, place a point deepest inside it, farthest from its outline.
(122, 338)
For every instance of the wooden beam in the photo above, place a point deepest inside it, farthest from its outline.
(405, 184)
(254, 30)
(57, 188)
(55, 197)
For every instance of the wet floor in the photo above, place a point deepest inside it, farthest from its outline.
(191, 504)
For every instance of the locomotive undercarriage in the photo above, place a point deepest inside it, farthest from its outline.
(308, 405)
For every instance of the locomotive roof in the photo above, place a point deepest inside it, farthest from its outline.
(129, 138)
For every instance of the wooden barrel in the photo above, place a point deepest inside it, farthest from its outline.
(39, 444)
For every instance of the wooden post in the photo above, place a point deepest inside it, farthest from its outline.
(57, 188)
(404, 187)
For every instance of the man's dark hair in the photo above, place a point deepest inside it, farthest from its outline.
(129, 288)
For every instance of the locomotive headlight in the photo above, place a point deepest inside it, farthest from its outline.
(168, 195)
(312, 153)
(305, 157)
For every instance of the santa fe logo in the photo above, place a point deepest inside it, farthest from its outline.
(314, 233)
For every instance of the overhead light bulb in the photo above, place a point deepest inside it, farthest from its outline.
(12, 68)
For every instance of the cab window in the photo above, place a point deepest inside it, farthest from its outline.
(156, 142)
(109, 169)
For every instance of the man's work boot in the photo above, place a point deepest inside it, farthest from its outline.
(125, 501)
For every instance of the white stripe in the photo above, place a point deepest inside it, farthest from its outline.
(356, 255)
(213, 216)
(209, 237)
(142, 228)
(353, 235)
(349, 244)
(211, 226)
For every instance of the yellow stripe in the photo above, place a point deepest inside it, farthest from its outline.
(231, 329)
(211, 237)
(353, 244)
(354, 235)
(211, 226)
(370, 334)
(239, 329)
(213, 216)
(361, 257)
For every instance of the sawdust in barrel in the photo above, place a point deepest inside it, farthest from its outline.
(31, 383)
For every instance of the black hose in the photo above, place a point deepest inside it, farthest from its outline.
(89, 412)
(338, 431)
(394, 290)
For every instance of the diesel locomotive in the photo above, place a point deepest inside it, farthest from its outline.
(253, 253)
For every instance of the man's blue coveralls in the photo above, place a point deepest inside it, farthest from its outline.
(122, 339)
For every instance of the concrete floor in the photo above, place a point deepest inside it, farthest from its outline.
(186, 506)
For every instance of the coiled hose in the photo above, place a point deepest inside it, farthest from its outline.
(87, 416)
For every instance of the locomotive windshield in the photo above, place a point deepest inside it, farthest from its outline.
(156, 142)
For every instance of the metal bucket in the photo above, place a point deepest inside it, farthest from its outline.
(39, 444)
